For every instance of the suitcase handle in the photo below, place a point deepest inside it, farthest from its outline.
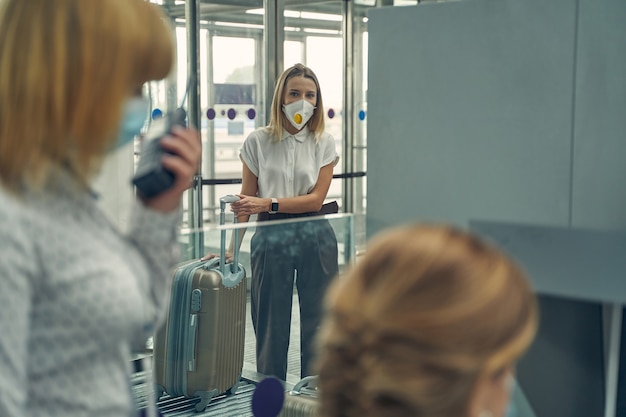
(227, 199)
(191, 346)
(229, 279)
(211, 263)
(303, 383)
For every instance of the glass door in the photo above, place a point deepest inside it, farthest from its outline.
(313, 36)
(331, 38)
(231, 103)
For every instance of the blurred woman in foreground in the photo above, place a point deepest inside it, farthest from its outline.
(77, 296)
(429, 323)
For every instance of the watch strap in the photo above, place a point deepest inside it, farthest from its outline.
(274, 206)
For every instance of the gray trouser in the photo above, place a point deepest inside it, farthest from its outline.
(276, 252)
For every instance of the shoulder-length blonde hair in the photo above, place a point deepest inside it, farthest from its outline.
(278, 120)
(66, 67)
(412, 328)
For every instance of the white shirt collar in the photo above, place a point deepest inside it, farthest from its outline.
(300, 136)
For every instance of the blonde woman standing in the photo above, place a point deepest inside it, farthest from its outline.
(429, 323)
(287, 170)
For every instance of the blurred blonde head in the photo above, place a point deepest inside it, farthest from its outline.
(278, 120)
(414, 327)
(66, 68)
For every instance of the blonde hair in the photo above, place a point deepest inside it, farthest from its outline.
(278, 120)
(66, 67)
(413, 326)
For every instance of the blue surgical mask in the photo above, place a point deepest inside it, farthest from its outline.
(511, 410)
(134, 116)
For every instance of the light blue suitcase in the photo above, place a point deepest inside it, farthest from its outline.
(199, 351)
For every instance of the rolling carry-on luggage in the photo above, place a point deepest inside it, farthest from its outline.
(199, 351)
(301, 401)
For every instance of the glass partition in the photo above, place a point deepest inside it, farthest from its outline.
(341, 223)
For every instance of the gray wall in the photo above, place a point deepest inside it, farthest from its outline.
(509, 111)
(498, 109)
(599, 175)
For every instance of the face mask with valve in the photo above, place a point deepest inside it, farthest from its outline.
(151, 178)
(299, 113)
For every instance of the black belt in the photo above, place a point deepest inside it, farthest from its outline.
(328, 208)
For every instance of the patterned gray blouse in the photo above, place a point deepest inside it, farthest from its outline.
(76, 298)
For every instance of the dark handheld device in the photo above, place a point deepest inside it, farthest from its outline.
(151, 178)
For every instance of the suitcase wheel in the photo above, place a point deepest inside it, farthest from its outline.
(205, 399)
(233, 390)
(158, 392)
(201, 406)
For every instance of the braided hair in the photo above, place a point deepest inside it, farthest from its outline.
(412, 327)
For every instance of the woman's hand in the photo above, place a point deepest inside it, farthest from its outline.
(248, 205)
(182, 160)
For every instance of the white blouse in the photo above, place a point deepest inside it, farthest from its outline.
(288, 168)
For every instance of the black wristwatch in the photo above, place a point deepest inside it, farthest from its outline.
(274, 206)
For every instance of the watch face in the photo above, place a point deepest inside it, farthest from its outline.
(274, 206)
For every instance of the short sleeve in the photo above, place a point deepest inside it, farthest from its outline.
(249, 153)
(328, 151)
